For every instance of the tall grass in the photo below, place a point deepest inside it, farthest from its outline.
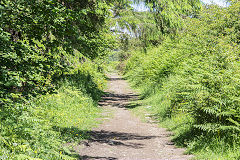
(40, 127)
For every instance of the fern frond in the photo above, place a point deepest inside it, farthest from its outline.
(234, 122)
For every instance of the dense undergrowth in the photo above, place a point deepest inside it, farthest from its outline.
(191, 81)
(51, 76)
(51, 72)
(39, 127)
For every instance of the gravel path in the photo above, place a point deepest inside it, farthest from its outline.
(124, 136)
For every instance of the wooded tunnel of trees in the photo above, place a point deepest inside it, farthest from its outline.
(183, 57)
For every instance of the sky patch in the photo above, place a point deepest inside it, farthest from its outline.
(141, 7)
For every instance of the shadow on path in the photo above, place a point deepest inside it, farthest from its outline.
(117, 138)
(115, 79)
(113, 139)
(85, 157)
(118, 100)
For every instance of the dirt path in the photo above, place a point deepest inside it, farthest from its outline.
(124, 136)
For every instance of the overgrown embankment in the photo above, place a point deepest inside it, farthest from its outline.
(51, 53)
(192, 83)
(38, 127)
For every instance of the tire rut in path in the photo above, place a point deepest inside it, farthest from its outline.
(124, 136)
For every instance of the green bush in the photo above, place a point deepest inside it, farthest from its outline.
(39, 127)
(196, 75)
(50, 57)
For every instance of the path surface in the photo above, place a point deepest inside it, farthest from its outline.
(125, 137)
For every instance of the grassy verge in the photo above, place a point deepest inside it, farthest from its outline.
(70, 112)
(39, 128)
(191, 82)
(202, 145)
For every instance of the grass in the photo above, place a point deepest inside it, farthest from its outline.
(191, 84)
(71, 112)
(202, 146)
(49, 127)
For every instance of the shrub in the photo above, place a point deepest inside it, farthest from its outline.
(196, 74)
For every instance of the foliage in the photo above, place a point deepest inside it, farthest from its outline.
(134, 28)
(196, 75)
(143, 29)
(39, 127)
(49, 46)
(37, 37)
(169, 14)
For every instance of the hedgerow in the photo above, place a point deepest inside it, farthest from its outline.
(196, 75)
(39, 127)
(50, 64)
